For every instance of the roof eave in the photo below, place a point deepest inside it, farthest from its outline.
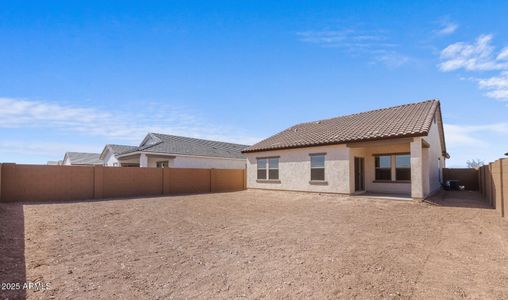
(424, 133)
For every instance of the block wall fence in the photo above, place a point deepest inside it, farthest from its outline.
(493, 183)
(467, 177)
(34, 183)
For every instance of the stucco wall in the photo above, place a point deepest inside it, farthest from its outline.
(377, 187)
(435, 170)
(199, 162)
(110, 159)
(294, 169)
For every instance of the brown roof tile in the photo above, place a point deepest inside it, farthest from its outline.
(399, 121)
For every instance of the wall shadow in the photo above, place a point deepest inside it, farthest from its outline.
(12, 250)
(463, 199)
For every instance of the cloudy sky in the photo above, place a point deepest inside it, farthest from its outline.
(75, 76)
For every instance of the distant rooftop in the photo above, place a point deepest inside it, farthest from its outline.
(172, 144)
(80, 158)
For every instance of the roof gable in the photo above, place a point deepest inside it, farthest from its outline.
(116, 149)
(80, 158)
(407, 120)
(172, 144)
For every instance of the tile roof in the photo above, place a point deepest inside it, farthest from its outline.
(407, 120)
(79, 158)
(172, 144)
(119, 149)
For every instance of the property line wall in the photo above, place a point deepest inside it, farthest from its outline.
(467, 177)
(67, 183)
(493, 183)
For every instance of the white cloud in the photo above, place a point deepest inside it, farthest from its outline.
(478, 56)
(373, 44)
(465, 142)
(498, 94)
(457, 135)
(471, 134)
(115, 124)
(392, 59)
(500, 81)
(497, 86)
(447, 28)
(503, 55)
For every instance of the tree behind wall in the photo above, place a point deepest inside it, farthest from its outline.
(475, 163)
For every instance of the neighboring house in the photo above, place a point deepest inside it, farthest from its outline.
(55, 163)
(397, 150)
(109, 155)
(81, 159)
(161, 150)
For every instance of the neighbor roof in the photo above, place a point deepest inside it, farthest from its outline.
(80, 158)
(117, 149)
(407, 120)
(172, 144)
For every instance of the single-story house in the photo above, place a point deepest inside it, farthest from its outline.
(162, 150)
(109, 155)
(396, 150)
(81, 159)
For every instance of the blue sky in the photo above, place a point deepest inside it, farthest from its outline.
(75, 76)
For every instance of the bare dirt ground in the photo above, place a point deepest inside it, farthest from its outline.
(256, 244)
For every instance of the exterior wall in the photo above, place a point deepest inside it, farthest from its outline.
(383, 187)
(66, 161)
(198, 162)
(294, 169)
(110, 160)
(436, 160)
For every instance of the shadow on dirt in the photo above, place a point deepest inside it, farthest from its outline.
(12, 251)
(463, 199)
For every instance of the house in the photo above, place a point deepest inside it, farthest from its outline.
(81, 159)
(55, 163)
(109, 155)
(396, 150)
(161, 150)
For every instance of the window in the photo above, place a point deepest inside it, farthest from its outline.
(273, 168)
(402, 167)
(268, 168)
(163, 164)
(317, 167)
(261, 168)
(383, 167)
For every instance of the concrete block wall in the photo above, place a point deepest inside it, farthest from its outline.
(493, 183)
(67, 183)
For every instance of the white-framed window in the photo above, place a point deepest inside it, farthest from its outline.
(393, 167)
(261, 168)
(268, 168)
(163, 164)
(383, 165)
(317, 167)
(403, 167)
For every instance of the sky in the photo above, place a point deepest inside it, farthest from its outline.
(75, 76)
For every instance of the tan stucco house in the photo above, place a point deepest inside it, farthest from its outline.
(159, 150)
(396, 150)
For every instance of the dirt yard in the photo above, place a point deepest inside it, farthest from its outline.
(256, 244)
